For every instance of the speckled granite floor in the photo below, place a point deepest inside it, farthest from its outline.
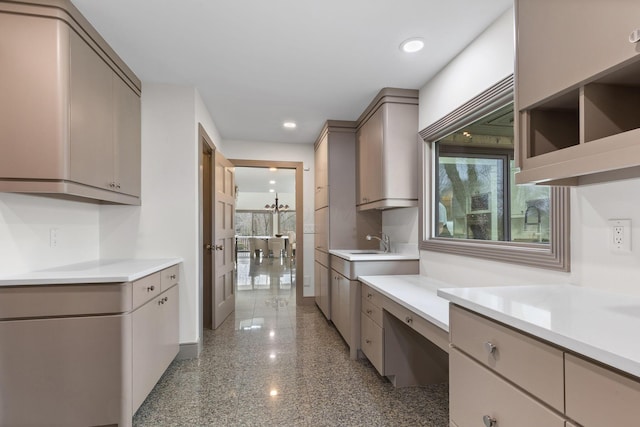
(272, 363)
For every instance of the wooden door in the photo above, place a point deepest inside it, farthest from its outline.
(224, 239)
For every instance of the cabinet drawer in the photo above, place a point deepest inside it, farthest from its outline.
(372, 342)
(372, 311)
(371, 295)
(535, 366)
(64, 300)
(169, 277)
(597, 396)
(146, 288)
(425, 328)
(476, 392)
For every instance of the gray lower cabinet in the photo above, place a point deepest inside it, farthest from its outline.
(70, 107)
(85, 354)
(499, 373)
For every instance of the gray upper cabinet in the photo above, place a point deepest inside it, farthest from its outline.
(387, 146)
(70, 120)
(577, 90)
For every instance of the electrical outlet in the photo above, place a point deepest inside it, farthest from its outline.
(620, 235)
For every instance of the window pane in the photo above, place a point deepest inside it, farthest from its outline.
(243, 223)
(287, 222)
(471, 198)
(477, 195)
(530, 209)
(262, 224)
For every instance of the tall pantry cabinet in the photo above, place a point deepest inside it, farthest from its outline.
(338, 225)
(70, 107)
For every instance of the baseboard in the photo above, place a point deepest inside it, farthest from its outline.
(190, 350)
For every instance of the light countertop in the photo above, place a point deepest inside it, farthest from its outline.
(99, 271)
(416, 293)
(373, 255)
(597, 324)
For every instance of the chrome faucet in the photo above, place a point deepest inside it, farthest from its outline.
(386, 244)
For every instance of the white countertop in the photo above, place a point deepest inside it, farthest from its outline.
(99, 271)
(416, 293)
(597, 324)
(373, 255)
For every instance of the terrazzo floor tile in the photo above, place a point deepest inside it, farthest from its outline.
(272, 363)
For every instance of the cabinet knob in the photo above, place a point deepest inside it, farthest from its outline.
(408, 319)
(219, 247)
(489, 421)
(490, 347)
(172, 277)
(161, 301)
(369, 311)
(369, 296)
(367, 341)
(151, 288)
(166, 299)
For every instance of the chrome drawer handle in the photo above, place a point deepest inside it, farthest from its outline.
(151, 288)
(490, 347)
(489, 422)
(408, 319)
(369, 311)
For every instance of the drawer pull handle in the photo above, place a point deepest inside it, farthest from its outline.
(369, 311)
(172, 277)
(369, 296)
(408, 319)
(490, 347)
(367, 341)
(151, 288)
(489, 421)
(163, 300)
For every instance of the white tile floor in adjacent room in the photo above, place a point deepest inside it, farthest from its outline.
(273, 363)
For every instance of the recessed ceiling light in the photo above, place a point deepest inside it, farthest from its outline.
(273, 169)
(271, 190)
(289, 125)
(272, 182)
(412, 45)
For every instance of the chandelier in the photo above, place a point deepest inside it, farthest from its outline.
(277, 208)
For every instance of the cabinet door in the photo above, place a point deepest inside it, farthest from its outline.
(597, 396)
(33, 113)
(322, 289)
(475, 392)
(337, 313)
(91, 116)
(69, 371)
(322, 173)
(561, 43)
(370, 170)
(126, 142)
(322, 229)
(155, 342)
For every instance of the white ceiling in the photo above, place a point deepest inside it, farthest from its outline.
(257, 63)
(256, 180)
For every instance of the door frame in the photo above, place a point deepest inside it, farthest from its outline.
(299, 167)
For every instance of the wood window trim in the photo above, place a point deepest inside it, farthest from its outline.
(554, 256)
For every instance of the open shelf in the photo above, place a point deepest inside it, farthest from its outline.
(555, 124)
(611, 104)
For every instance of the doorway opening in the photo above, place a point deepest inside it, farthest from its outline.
(268, 225)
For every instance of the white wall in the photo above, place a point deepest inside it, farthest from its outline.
(483, 63)
(256, 150)
(167, 223)
(25, 224)
(248, 200)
